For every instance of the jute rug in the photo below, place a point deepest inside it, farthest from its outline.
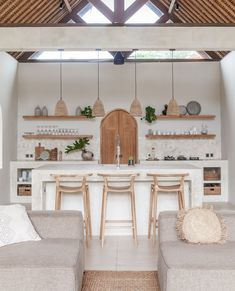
(120, 281)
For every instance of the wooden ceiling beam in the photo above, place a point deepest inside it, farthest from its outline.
(171, 7)
(103, 9)
(119, 11)
(67, 4)
(133, 8)
(164, 10)
(82, 4)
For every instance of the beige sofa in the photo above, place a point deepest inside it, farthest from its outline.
(188, 267)
(56, 263)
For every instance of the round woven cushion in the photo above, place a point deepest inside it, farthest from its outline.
(201, 226)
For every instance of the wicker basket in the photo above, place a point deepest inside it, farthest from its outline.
(215, 190)
(24, 190)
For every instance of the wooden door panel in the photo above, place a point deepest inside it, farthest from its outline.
(127, 132)
(122, 123)
(109, 131)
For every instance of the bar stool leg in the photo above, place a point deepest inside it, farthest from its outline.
(57, 199)
(182, 198)
(134, 218)
(154, 215)
(102, 214)
(85, 216)
(179, 200)
(104, 217)
(150, 212)
(89, 210)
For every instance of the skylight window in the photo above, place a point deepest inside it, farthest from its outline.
(166, 55)
(109, 3)
(72, 55)
(92, 15)
(148, 13)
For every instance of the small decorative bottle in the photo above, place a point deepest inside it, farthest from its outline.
(153, 153)
(44, 111)
(37, 111)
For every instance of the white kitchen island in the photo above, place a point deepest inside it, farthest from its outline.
(43, 192)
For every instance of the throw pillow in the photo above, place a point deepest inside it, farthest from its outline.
(201, 225)
(15, 225)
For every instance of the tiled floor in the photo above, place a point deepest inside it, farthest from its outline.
(120, 254)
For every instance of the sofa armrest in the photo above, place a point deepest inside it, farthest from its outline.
(58, 224)
(167, 226)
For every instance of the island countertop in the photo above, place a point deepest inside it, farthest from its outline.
(43, 190)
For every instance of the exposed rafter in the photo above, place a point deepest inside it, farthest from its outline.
(66, 2)
(105, 10)
(133, 8)
(171, 7)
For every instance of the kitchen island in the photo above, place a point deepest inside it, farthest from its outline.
(43, 191)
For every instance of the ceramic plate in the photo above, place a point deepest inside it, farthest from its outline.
(193, 108)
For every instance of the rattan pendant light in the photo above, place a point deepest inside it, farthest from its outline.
(136, 109)
(173, 108)
(61, 108)
(98, 107)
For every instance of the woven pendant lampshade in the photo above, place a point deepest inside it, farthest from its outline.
(98, 107)
(173, 108)
(136, 109)
(61, 108)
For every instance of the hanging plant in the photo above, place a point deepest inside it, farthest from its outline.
(150, 115)
(87, 111)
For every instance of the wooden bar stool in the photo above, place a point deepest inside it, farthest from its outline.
(128, 179)
(156, 187)
(82, 188)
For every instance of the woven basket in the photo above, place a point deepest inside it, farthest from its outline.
(173, 108)
(61, 108)
(98, 108)
(136, 109)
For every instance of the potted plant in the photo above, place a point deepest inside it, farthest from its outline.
(80, 145)
(87, 111)
(150, 115)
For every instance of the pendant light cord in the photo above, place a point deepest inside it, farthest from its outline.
(135, 78)
(60, 75)
(98, 80)
(172, 73)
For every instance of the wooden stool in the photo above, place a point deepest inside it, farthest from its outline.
(82, 188)
(122, 178)
(157, 187)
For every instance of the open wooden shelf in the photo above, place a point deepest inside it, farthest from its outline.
(46, 136)
(53, 117)
(186, 117)
(180, 136)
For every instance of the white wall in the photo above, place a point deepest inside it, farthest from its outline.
(200, 81)
(8, 102)
(228, 118)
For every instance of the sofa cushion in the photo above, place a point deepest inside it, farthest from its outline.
(15, 225)
(49, 264)
(180, 255)
(200, 225)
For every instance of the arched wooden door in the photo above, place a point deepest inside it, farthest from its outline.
(123, 123)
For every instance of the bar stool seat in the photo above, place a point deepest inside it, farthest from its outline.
(82, 188)
(108, 188)
(156, 187)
